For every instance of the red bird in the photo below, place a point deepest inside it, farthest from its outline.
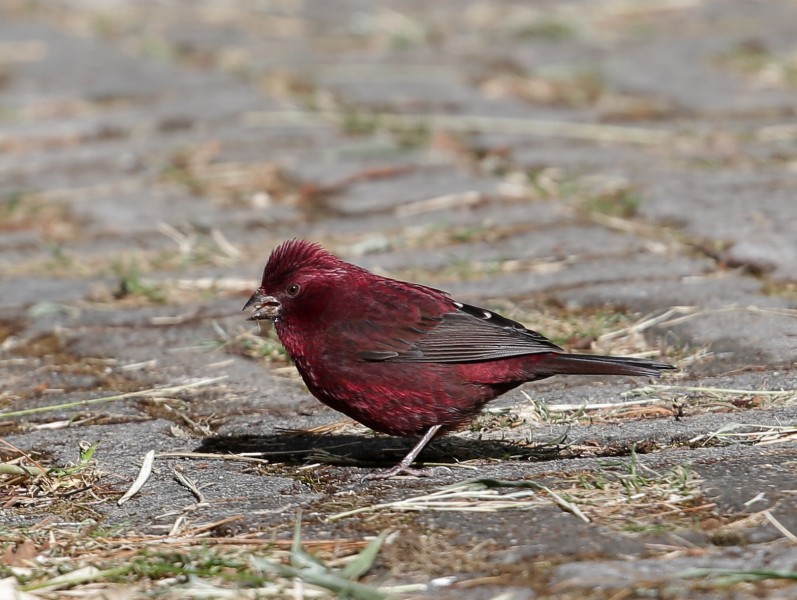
(403, 358)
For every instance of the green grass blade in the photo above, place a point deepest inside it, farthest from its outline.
(365, 559)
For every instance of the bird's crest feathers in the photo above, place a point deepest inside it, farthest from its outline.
(296, 255)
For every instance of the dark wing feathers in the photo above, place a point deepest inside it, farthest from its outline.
(466, 334)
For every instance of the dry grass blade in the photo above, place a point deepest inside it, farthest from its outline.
(449, 499)
(10, 469)
(191, 485)
(468, 123)
(148, 392)
(756, 435)
(35, 487)
(714, 399)
(728, 577)
(143, 475)
(439, 203)
(9, 588)
(711, 390)
(541, 412)
(627, 496)
(85, 574)
(479, 495)
(94, 563)
(603, 330)
(210, 455)
(228, 284)
(647, 322)
(591, 406)
(570, 507)
(780, 527)
(309, 569)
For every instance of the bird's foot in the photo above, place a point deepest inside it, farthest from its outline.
(399, 470)
(403, 468)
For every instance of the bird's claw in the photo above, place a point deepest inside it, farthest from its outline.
(400, 470)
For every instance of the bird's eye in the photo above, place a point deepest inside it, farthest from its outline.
(293, 289)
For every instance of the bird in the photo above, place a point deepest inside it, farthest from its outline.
(403, 358)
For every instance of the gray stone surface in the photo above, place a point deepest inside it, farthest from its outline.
(152, 154)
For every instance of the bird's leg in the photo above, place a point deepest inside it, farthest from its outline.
(403, 468)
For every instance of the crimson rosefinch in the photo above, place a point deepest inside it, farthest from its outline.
(399, 357)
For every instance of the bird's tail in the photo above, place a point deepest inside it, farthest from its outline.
(588, 364)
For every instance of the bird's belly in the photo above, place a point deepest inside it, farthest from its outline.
(398, 398)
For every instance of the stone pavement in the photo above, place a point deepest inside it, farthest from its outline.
(557, 160)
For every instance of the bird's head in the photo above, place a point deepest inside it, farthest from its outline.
(296, 280)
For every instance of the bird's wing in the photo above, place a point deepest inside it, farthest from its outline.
(466, 334)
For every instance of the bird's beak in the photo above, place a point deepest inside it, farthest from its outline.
(266, 307)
